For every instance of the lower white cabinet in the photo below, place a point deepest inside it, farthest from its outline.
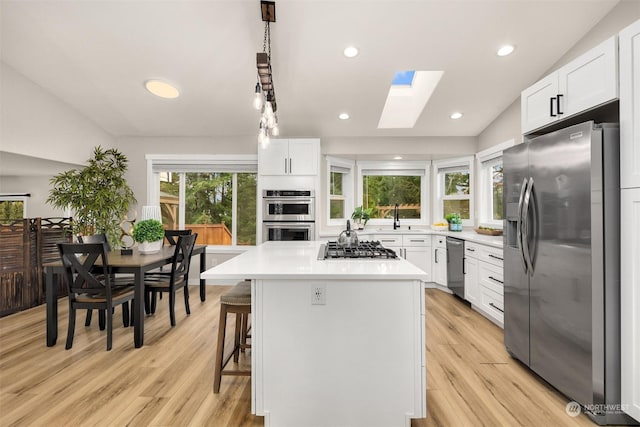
(471, 291)
(439, 260)
(630, 301)
(415, 248)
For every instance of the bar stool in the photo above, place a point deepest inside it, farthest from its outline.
(237, 301)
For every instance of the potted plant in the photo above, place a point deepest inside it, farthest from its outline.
(361, 216)
(149, 233)
(98, 194)
(455, 221)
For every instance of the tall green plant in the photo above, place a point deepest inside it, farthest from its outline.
(98, 194)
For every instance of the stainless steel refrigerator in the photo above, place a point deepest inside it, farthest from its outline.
(561, 263)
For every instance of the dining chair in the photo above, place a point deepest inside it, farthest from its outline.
(172, 235)
(176, 279)
(89, 284)
(116, 280)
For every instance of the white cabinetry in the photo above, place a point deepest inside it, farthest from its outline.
(415, 248)
(471, 291)
(587, 81)
(439, 260)
(491, 283)
(630, 106)
(484, 280)
(630, 217)
(289, 157)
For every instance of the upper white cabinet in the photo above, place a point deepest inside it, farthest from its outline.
(587, 81)
(630, 106)
(289, 157)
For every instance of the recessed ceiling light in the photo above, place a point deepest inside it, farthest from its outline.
(456, 115)
(397, 158)
(161, 89)
(506, 50)
(351, 52)
(343, 116)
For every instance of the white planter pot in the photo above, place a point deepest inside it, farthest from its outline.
(150, 247)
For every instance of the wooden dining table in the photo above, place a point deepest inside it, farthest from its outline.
(137, 264)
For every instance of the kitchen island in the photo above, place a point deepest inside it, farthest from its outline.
(334, 342)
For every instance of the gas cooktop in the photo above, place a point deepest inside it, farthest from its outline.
(364, 249)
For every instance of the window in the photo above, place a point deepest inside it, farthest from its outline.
(339, 190)
(13, 208)
(490, 184)
(382, 185)
(214, 196)
(454, 180)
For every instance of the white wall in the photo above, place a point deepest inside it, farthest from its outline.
(38, 187)
(35, 123)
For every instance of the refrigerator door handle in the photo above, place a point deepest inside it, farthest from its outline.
(519, 227)
(525, 227)
(533, 241)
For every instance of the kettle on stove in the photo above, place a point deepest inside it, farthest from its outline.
(348, 238)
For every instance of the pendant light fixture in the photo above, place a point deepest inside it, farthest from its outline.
(265, 96)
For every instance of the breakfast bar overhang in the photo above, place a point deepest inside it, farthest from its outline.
(355, 356)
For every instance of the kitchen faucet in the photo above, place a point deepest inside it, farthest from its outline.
(396, 218)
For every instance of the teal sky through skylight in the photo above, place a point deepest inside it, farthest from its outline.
(403, 78)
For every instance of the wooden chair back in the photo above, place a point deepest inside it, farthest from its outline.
(182, 256)
(172, 235)
(84, 274)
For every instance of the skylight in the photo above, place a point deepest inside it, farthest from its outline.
(403, 78)
(409, 93)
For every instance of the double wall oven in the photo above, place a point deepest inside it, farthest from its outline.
(288, 215)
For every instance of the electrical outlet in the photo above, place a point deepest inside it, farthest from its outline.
(318, 294)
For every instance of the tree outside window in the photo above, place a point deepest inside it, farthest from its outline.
(11, 210)
(456, 193)
(210, 205)
(336, 195)
(496, 191)
(382, 192)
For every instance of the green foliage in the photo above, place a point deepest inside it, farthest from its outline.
(385, 190)
(363, 214)
(148, 230)
(11, 210)
(453, 218)
(98, 194)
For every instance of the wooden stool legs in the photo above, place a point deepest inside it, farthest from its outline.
(242, 314)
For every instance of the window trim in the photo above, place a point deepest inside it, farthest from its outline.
(392, 168)
(438, 205)
(347, 189)
(186, 163)
(485, 212)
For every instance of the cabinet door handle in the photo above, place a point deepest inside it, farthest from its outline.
(496, 257)
(416, 240)
(464, 265)
(285, 165)
(558, 104)
(436, 255)
(496, 280)
(496, 307)
(387, 241)
(290, 165)
(471, 249)
(553, 98)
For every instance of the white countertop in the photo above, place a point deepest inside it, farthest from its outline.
(297, 260)
(467, 234)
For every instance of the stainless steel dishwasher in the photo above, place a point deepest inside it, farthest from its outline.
(455, 266)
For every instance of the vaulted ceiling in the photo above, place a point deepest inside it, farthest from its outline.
(96, 55)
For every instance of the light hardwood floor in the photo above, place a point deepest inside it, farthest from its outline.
(471, 380)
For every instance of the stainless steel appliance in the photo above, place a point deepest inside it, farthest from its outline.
(288, 215)
(561, 263)
(281, 230)
(363, 249)
(288, 205)
(455, 266)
